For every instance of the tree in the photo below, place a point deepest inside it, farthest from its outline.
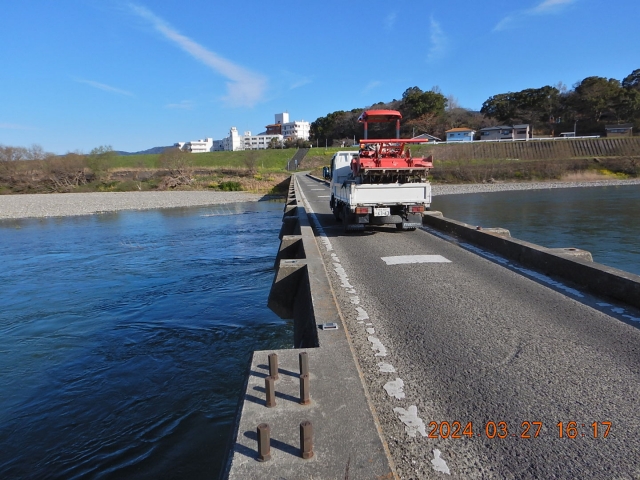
(416, 102)
(632, 81)
(596, 97)
(274, 143)
(100, 160)
(250, 160)
(502, 107)
(179, 166)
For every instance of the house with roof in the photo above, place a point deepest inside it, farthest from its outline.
(622, 130)
(506, 132)
(427, 138)
(460, 134)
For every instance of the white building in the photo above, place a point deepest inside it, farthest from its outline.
(196, 146)
(296, 130)
(460, 134)
(258, 142)
(282, 129)
(234, 141)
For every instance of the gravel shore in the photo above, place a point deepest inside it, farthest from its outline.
(66, 204)
(501, 187)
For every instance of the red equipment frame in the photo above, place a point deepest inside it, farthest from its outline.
(385, 156)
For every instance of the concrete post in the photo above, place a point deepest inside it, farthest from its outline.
(306, 440)
(273, 365)
(270, 392)
(264, 442)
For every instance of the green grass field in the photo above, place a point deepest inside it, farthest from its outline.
(267, 160)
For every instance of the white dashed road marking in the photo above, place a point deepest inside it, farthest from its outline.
(377, 347)
(404, 259)
(413, 423)
(439, 465)
(386, 367)
(395, 388)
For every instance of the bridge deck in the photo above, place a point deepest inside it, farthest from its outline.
(446, 334)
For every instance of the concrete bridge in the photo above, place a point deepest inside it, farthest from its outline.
(459, 353)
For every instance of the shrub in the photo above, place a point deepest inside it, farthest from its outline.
(230, 186)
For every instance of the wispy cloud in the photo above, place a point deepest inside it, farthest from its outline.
(550, 6)
(105, 87)
(300, 82)
(390, 21)
(438, 42)
(245, 88)
(543, 8)
(370, 86)
(183, 105)
(14, 126)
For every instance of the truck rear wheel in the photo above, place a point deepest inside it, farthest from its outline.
(345, 219)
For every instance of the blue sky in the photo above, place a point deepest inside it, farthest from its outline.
(77, 74)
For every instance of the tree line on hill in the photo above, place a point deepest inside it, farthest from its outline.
(587, 107)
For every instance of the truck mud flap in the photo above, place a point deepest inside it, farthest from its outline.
(385, 220)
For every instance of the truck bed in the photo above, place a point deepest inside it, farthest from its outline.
(385, 194)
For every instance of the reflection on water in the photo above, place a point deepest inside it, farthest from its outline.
(125, 337)
(602, 220)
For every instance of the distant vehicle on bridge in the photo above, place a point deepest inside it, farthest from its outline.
(382, 183)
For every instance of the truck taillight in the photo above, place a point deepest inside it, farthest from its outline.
(363, 210)
(416, 208)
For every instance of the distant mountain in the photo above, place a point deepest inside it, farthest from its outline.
(151, 150)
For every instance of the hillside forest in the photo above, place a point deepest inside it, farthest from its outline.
(587, 107)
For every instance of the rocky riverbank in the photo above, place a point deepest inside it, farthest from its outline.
(438, 189)
(66, 204)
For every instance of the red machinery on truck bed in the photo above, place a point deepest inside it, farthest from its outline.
(382, 183)
(383, 160)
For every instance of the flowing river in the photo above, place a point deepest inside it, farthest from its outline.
(603, 220)
(125, 338)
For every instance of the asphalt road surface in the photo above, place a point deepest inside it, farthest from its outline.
(476, 370)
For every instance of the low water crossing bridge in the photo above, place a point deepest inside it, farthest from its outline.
(450, 361)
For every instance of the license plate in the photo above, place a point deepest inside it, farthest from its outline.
(381, 212)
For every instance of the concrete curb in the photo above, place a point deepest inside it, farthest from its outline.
(346, 437)
(571, 264)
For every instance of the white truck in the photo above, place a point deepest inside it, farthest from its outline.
(381, 184)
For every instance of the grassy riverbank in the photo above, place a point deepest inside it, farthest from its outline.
(564, 160)
(264, 171)
(261, 172)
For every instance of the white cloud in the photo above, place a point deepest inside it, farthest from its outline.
(300, 82)
(390, 21)
(183, 105)
(104, 87)
(504, 23)
(371, 85)
(543, 8)
(245, 88)
(548, 6)
(438, 42)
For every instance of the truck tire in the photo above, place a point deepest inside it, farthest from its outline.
(336, 213)
(345, 219)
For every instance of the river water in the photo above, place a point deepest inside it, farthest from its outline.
(602, 220)
(125, 338)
